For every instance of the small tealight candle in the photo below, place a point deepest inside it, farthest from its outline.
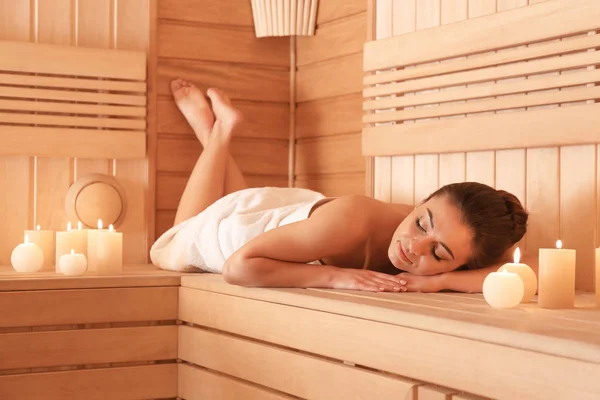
(27, 257)
(70, 239)
(557, 277)
(525, 273)
(503, 289)
(72, 264)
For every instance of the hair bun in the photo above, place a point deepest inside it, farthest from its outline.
(517, 214)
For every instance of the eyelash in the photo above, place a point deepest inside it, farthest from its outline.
(418, 223)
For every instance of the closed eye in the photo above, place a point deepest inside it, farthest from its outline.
(418, 223)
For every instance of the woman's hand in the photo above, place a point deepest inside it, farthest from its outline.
(361, 279)
(420, 283)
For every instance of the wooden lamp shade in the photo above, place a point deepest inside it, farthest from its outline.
(284, 17)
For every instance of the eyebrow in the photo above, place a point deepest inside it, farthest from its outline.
(441, 243)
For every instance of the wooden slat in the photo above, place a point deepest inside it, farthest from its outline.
(141, 382)
(403, 15)
(56, 107)
(53, 179)
(534, 129)
(329, 116)
(277, 368)
(54, 19)
(504, 103)
(426, 176)
(510, 176)
(344, 335)
(207, 43)
(452, 168)
(87, 346)
(56, 120)
(15, 196)
(427, 392)
(94, 24)
(481, 167)
(87, 143)
(454, 11)
(238, 81)
(67, 95)
(477, 92)
(199, 384)
(333, 185)
(87, 306)
(329, 155)
(254, 156)
(333, 40)
(16, 20)
(335, 77)
(164, 221)
(383, 179)
(68, 60)
(333, 10)
(232, 12)
(511, 28)
(261, 120)
(71, 83)
(487, 60)
(487, 74)
(403, 181)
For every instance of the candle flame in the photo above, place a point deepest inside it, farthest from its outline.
(99, 224)
(559, 244)
(110, 228)
(517, 256)
(26, 239)
(504, 270)
(79, 225)
(38, 228)
(72, 251)
(69, 226)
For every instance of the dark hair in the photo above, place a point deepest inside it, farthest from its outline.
(496, 218)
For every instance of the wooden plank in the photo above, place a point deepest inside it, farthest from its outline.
(333, 185)
(403, 179)
(54, 19)
(428, 14)
(261, 120)
(239, 357)
(504, 5)
(141, 382)
(427, 392)
(57, 107)
(479, 8)
(511, 28)
(481, 167)
(384, 17)
(426, 176)
(88, 306)
(336, 77)
(238, 81)
(254, 156)
(452, 168)
(132, 25)
(233, 12)
(15, 20)
(15, 203)
(337, 39)
(88, 346)
(383, 178)
(94, 24)
(199, 384)
(150, 189)
(504, 103)
(510, 176)
(207, 43)
(329, 155)
(344, 335)
(329, 116)
(454, 11)
(88, 143)
(57, 120)
(68, 60)
(577, 207)
(164, 221)
(68, 95)
(543, 128)
(404, 14)
(53, 180)
(332, 10)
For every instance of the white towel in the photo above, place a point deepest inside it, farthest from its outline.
(207, 240)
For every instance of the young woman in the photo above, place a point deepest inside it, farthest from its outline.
(291, 237)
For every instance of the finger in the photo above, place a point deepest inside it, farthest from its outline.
(369, 287)
(386, 285)
(390, 278)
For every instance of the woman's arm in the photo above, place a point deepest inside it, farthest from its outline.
(278, 258)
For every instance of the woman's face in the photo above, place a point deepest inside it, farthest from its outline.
(431, 240)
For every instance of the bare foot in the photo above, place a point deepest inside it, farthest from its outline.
(194, 107)
(226, 114)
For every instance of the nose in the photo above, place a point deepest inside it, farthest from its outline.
(419, 245)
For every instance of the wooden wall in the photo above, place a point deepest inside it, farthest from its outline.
(212, 43)
(33, 189)
(328, 96)
(558, 185)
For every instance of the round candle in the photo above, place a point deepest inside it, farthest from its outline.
(557, 277)
(503, 289)
(27, 257)
(44, 239)
(72, 264)
(525, 273)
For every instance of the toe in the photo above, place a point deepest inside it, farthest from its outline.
(217, 95)
(176, 84)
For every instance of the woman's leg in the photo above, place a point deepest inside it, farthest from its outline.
(207, 181)
(196, 110)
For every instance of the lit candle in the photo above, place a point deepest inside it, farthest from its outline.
(105, 250)
(72, 264)
(70, 239)
(92, 245)
(525, 273)
(557, 277)
(27, 257)
(503, 289)
(45, 240)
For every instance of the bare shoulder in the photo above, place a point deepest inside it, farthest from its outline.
(356, 210)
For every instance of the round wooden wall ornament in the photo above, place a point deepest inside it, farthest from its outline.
(93, 197)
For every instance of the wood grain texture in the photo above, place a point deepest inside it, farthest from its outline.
(329, 155)
(164, 221)
(329, 116)
(336, 77)
(232, 12)
(333, 10)
(15, 203)
(333, 185)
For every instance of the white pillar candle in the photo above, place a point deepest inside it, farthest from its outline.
(45, 240)
(525, 273)
(598, 277)
(92, 257)
(70, 239)
(557, 277)
(109, 251)
(27, 257)
(72, 263)
(503, 289)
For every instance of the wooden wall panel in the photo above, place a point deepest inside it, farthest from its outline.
(238, 13)
(328, 114)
